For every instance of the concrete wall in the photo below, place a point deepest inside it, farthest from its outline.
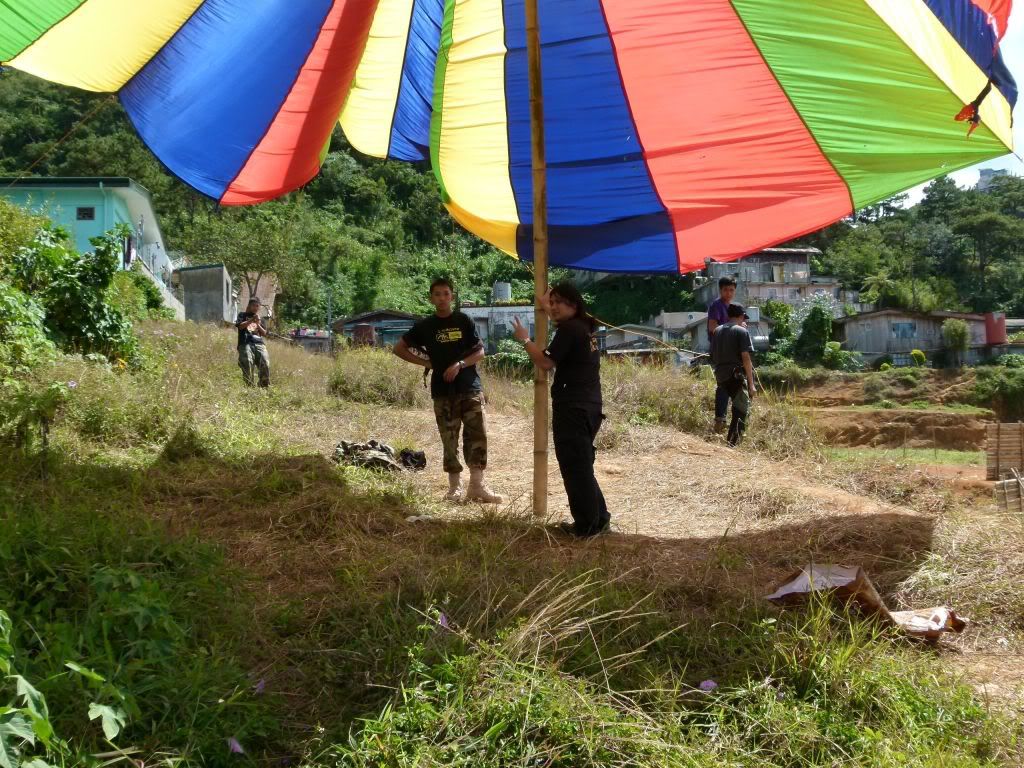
(207, 293)
(495, 323)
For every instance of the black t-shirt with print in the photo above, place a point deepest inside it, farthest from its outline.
(577, 362)
(446, 340)
(245, 336)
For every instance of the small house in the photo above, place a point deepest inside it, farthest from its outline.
(208, 293)
(376, 328)
(313, 340)
(691, 329)
(617, 336)
(896, 332)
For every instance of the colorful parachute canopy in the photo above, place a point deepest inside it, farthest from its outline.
(676, 131)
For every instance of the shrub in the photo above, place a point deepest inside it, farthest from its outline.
(885, 367)
(375, 376)
(956, 336)
(134, 294)
(837, 359)
(918, 357)
(1002, 389)
(815, 333)
(772, 359)
(73, 291)
(1011, 361)
(510, 361)
(781, 315)
(23, 341)
(790, 376)
(896, 384)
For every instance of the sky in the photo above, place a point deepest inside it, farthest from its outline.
(1013, 52)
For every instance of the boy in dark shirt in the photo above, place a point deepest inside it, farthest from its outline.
(450, 341)
(252, 349)
(718, 315)
(731, 350)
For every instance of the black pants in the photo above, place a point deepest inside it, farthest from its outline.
(575, 427)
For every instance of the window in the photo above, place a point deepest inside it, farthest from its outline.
(85, 213)
(904, 330)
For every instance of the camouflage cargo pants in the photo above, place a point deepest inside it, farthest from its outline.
(253, 359)
(466, 413)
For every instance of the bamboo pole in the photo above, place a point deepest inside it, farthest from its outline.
(540, 259)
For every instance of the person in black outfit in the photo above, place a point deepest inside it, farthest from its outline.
(253, 358)
(576, 403)
(452, 347)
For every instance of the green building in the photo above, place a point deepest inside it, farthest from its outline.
(89, 206)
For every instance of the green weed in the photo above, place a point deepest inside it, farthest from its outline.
(366, 375)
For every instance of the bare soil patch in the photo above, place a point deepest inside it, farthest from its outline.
(898, 427)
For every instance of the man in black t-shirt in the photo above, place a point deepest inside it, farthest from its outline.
(731, 355)
(450, 341)
(252, 349)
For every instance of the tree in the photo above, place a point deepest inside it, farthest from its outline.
(942, 200)
(996, 240)
(878, 288)
(956, 336)
(252, 242)
(815, 333)
(858, 255)
(883, 209)
(781, 315)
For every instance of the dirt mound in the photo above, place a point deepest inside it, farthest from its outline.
(898, 427)
(903, 385)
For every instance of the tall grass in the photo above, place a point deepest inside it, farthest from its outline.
(189, 561)
(643, 394)
(377, 377)
(815, 690)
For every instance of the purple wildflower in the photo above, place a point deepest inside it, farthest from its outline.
(260, 685)
(234, 747)
(443, 621)
(72, 384)
(708, 685)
